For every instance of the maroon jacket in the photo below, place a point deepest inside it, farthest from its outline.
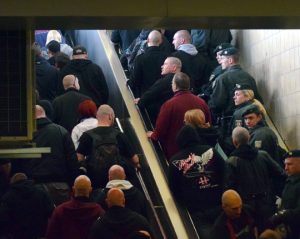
(73, 219)
(171, 116)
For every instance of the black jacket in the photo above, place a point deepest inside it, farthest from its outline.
(24, 211)
(65, 108)
(118, 222)
(221, 100)
(201, 187)
(61, 165)
(91, 79)
(46, 79)
(147, 69)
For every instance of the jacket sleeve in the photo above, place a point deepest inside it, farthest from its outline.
(54, 229)
(162, 122)
(219, 96)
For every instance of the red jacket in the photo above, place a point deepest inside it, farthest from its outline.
(73, 219)
(171, 116)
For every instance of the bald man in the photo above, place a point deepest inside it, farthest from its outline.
(135, 199)
(122, 150)
(65, 106)
(147, 65)
(193, 64)
(236, 220)
(58, 168)
(250, 172)
(74, 218)
(118, 220)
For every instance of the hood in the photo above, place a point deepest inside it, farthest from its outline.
(187, 137)
(23, 188)
(188, 48)
(80, 209)
(245, 152)
(42, 122)
(78, 64)
(120, 184)
(208, 135)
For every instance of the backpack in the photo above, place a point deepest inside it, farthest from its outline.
(105, 153)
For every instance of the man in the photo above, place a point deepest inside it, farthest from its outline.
(135, 199)
(171, 115)
(91, 79)
(53, 47)
(24, 209)
(161, 91)
(221, 102)
(193, 64)
(289, 213)
(236, 220)
(250, 172)
(46, 75)
(261, 136)
(147, 65)
(109, 135)
(65, 107)
(57, 168)
(73, 219)
(118, 221)
(207, 89)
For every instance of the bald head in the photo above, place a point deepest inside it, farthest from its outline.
(154, 38)
(105, 115)
(240, 136)
(115, 197)
(116, 172)
(82, 186)
(70, 81)
(181, 37)
(231, 204)
(39, 112)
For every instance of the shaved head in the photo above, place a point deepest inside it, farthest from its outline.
(69, 81)
(116, 172)
(154, 38)
(105, 115)
(240, 136)
(39, 112)
(82, 186)
(115, 197)
(231, 203)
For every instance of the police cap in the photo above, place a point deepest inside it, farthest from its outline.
(251, 109)
(293, 154)
(229, 51)
(222, 46)
(242, 87)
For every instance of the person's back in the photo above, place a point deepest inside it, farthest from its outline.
(118, 221)
(74, 218)
(91, 78)
(65, 106)
(24, 209)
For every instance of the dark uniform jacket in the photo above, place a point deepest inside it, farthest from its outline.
(156, 95)
(225, 228)
(291, 203)
(24, 211)
(118, 222)
(91, 79)
(263, 138)
(221, 101)
(61, 165)
(237, 118)
(65, 108)
(147, 69)
(46, 79)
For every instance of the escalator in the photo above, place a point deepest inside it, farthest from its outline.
(169, 219)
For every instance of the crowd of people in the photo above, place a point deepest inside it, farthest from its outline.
(197, 96)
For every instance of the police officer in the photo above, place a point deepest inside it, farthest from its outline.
(262, 137)
(221, 102)
(289, 213)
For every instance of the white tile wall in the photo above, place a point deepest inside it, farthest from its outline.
(273, 58)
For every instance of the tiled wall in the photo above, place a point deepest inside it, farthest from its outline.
(272, 57)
